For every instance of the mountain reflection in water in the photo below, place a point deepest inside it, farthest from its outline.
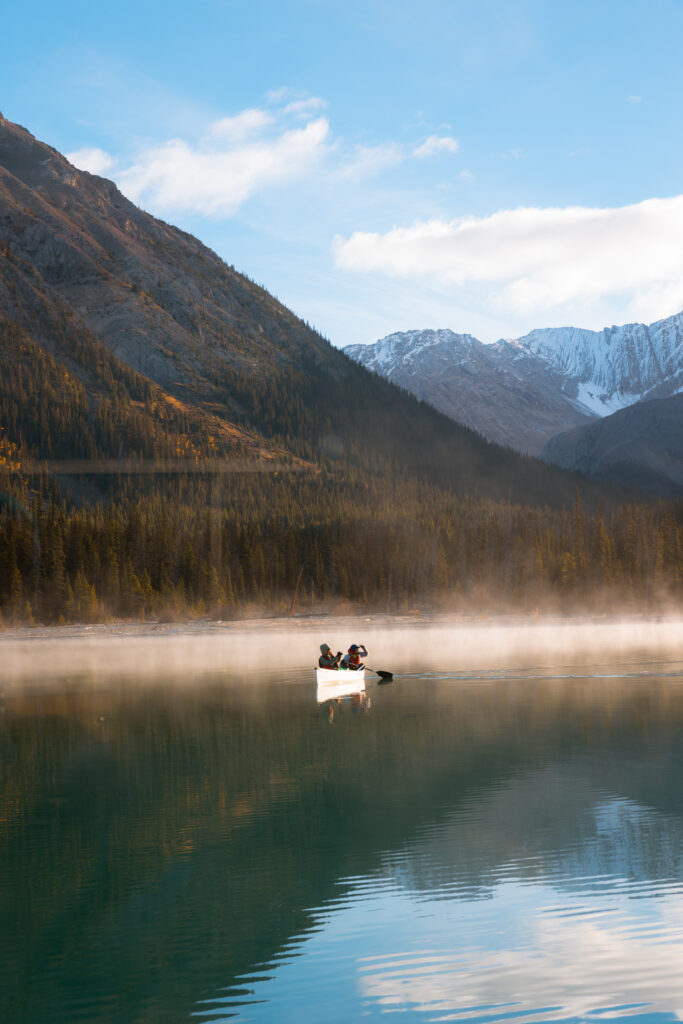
(452, 849)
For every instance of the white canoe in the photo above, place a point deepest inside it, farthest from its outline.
(333, 684)
(339, 675)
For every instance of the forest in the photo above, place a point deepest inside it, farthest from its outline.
(247, 543)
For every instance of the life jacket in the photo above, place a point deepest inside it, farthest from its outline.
(353, 658)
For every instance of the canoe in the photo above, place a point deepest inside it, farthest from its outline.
(332, 685)
(339, 675)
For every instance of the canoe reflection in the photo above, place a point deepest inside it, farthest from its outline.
(344, 684)
(353, 702)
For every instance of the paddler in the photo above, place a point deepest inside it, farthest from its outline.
(327, 659)
(353, 659)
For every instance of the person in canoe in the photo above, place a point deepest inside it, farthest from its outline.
(353, 658)
(327, 659)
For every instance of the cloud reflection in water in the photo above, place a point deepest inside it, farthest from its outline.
(573, 944)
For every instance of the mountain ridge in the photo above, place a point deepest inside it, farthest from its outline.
(522, 391)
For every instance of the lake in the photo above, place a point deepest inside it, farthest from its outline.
(466, 845)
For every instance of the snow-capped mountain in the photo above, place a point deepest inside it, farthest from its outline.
(523, 391)
(617, 366)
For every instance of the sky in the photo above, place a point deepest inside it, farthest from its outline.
(488, 166)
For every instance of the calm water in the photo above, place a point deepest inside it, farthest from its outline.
(481, 848)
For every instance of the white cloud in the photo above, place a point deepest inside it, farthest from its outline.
(436, 144)
(656, 301)
(249, 152)
(220, 173)
(634, 99)
(466, 175)
(533, 259)
(96, 161)
(287, 140)
(242, 126)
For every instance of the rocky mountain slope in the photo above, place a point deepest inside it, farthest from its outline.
(521, 392)
(110, 317)
(639, 446)
(159, 300)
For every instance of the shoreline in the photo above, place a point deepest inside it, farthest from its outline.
(279, 624)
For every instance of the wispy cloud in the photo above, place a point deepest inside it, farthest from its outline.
(534, 260)
(367, 161)
(306, 107)
(242, 126)
(278, 95)
(436, 144)
(634, 99)
(96, 161)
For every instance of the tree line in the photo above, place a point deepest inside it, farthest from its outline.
(229, 544)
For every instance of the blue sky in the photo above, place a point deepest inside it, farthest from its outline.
(482, 165)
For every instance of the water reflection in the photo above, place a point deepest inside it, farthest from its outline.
(332, 707)
(585, 918)
(473, 849)
(346, 692)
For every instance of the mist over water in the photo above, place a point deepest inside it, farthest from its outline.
(185, 650)
(496, 835)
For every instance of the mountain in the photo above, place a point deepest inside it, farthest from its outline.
(521, 392)
(497, 390)
(640, 446)
(121, 335)
(79, 259)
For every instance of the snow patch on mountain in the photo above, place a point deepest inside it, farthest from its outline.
(600, 404)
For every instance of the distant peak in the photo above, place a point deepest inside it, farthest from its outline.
(431, 336)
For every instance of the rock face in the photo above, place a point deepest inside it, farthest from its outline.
(521, 392)
(641, 446)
